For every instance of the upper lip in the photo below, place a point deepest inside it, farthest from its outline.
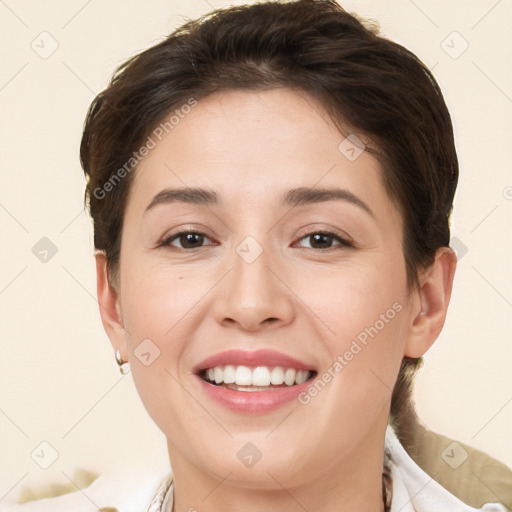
(252, 358)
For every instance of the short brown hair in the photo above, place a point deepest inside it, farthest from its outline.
(370, 86)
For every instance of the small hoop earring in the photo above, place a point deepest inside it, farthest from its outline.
(124, 366)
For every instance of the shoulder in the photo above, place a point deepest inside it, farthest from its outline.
(422, 491)
(472, 475)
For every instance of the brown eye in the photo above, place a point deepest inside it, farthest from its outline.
(186, 240)
(324, 240)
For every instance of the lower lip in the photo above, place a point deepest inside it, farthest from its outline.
(253, 401)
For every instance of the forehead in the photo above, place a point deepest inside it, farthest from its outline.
(255, 145)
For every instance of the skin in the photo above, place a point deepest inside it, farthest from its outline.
(309, 301)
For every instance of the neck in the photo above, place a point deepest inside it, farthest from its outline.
(351, 484)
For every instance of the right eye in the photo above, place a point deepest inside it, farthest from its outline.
(187, 240)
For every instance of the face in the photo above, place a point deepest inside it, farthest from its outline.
(287, 264)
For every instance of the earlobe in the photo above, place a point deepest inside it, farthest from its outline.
(110, 309)
(432, 299)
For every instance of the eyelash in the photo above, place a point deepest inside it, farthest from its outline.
(343, 243)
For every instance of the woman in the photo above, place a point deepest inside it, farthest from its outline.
(271, 188)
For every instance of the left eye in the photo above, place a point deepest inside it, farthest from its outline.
(324, 240)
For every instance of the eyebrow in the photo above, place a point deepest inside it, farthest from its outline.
(294, 197)
(301, 196)
(191, 195)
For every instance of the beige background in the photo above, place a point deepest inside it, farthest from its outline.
(58, 379)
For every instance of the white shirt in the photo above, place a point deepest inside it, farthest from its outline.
(413, 491)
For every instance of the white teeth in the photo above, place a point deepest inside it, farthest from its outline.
(261, 377)
(218, 375)
(289, 377)
(243, 376)
(302, 376)
(229, 374)
(277, 376)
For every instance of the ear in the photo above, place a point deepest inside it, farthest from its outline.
(430, 303)
(110, 309)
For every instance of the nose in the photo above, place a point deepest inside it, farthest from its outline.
(253, 296)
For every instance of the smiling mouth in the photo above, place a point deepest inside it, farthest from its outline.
(259, 378)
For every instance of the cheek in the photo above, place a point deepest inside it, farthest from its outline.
(157, 300)
(162, 308)
(356, 385)
(158, 309)
(357, 301)
(363, 319)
